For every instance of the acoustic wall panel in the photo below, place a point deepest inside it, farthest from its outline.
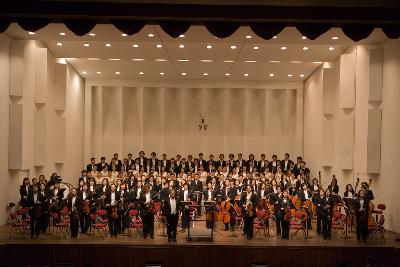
(328, 130)
(375, 74)
(328, 91)
(153, 123)
(16, 68)
(255, 120)
(41, 75)
(60, 85)
(96, 121)
(15, 137)
(374, 140)
(346, 141)
(215, 97)
(40, 139)
(112, 119)
(59, 140)
(131, 121)
(236, 119)
(347, 80)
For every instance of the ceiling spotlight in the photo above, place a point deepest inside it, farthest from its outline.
(246, 74)
(301, 75)
(108, 45)
(31, 33)
(295, 61)
(135, 45)
(138, 59)
(335, 38)
(159, 46)
(255, 47)
(305, 48)
(250, 61)
(228, 61)
(183, 73)
(274, 37)
(86, 45)
(206, 60)
(162, 73)
(141, 73)
(233, 46)
(150, 35)
(274, 61)
(99, 72)
(182, 36)
(331, 48)
(59, 44)
(209, 46)
(124, 35)
(205, 73)
(117, 72)
(114, 59)
(62, 33)
(181, 46)
(304, 37)
(317, 62)
(271, 75)
(248, 36)
(289, 75)
(183, 60)
(283, 48)
(161, 60)
(83, 72)
(227, 74)
(92, 34)
(93, 58)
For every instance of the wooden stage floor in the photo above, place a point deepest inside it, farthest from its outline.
(223, 250)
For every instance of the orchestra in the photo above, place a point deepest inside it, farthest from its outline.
(164, 187)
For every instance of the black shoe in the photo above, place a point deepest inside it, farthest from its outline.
(174, 240)
(169, 240)
(152, 237)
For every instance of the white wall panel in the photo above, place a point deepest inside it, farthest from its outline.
(60, 83)
(346, 141)
(153, 118)
(328, 90)
(374, 140)
(59, 139)
(41, 75)
(347, 80)
(255, 121)
(16, 68)
(40, 139)
(132, 125)
(328, 135)
(235, 120)
(375, 74)
(15, 137)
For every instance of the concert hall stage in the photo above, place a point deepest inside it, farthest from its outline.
(55, 250)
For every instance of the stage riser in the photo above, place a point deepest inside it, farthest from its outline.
(193, 256)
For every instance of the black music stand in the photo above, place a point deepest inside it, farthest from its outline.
(185, 215)
(207, 234)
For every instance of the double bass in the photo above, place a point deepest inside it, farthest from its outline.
(225, 209)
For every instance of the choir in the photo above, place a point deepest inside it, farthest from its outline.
(153, 187)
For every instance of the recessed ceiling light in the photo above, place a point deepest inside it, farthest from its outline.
(108, 45)
(331, 48)
(99, 72)
(161, 59)
(138, 59)
(159, 46)
(317, 62)
(114, 59)
(59, 44)
(86, 45)
(274, 61)
(228, 61)
(93, 58)
(233, 46)
(274, 37)
(92, 34)
(246, 74)
(209, 46)
(162, 73)
(83, 72)
(62, 33)
(181, 46)
(335, 38)
(31, 33)
(206, 60)
(183, 60)
(248, 36)
(205, 73)
(227, 74)
(141, 73)
(117, 72)
(250, 61)
(283, 48)
(289, 75)
(301, 75)
(271, 75)
(255, 47)
(183, 73)
(182, 36)
(304, 37)
(295, 61)
(135, 45)
(150, 35)
(124, 35)
(305, 48)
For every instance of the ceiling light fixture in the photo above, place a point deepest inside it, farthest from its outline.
(271, 75)
(135, 45)
(248, 36)
(206, 60)
(317, 62)
(233, 46)
(209, 46)
(289, 75)
(93, 58)
(228, 61)
(161, 60)
(250, 61)
(182, 36)
(331, 48)
(92, 34)
(274, 37)
(117, 72)
(114, 59)
(183, 60)
(159, 46)
(162, 73)
(227, 74)
(83, 72)
(301, 75)
(181, 46)
(205, 73)
(283, 48)
(183, 73)
(31, 33)
(124, 35)
(274, 61)
(255, 47)
(99, 72)
(62, 33)
(305, 48)
(59, 44)
(141, 73)
(335, 38)
(246, 74)
(304, 37)
(108, 45)
(295, 61)
(150, 35)
(86, 45)
(138, 59)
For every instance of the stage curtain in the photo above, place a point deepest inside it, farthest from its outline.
(129, 27)
(175, 28)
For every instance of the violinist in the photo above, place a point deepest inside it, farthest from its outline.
(305, 198)
(361, 207)
(123, 205)
(112, 200)
(249, 201)
(44, 220)
(147, 211)
(275, 198)
(101, 192)
(74, 204)
(92, 189)
(34, 202)
(24, 190)
(56, 196)
(317, 200)
(84, 220)
(284, 206)
(170, 210)
(327, 205)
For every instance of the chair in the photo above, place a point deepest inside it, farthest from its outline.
(17, 224)
(377, 227)
(24, 215)
(136, 221)
(96, 223)
(298, 223)
(261, 223)
(61, 224)
(238, 217)
(338, 223)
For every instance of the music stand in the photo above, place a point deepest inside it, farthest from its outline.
(347, 203)
(184, 215)
(203, 234)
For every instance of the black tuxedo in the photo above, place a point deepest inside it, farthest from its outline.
(114, 225)
(189, 195)
(155, 163)
(36, 220)
(171, 217)
(196, 185)
(241, 161)
(219, 164)
(260, 165)
(286, 167)
(165, 164)
(248, 219)
(118, 163)
(213, 194)
(24, 193)
(203, 163)
(147, 217)
(273, 166)
(90, 168)
(190, 166)
(327, 204)
(74, 209)
(210, 164)
(100, 166)
(142, 161)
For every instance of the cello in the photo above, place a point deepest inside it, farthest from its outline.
(225, 209)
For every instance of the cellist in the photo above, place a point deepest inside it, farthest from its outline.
(228, 195)
(249, 201)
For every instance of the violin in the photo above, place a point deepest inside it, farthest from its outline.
(86, 206)
(263, 204)
(114, 212)
(287, 216)
(249, 209)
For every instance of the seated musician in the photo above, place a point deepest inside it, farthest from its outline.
(284, 206)
(249, 201)
(361, 207)
(147, 211)
(349, 193)
(112, 200)
(315, 186)
(170, 210)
